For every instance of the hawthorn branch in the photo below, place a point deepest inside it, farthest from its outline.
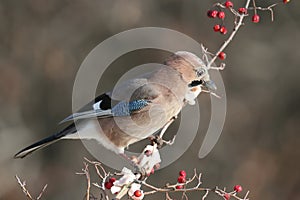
(167, 189)
(238, 22)
(205, 195)
(97, 165)
(26, 192)
(235, 30)
(269, 8)
(85, 171)
(42, 192)
(172, 188)
(102, 175)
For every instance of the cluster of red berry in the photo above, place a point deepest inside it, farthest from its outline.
(221, 15)
(236, 188)
(229, 4)
(221, 28)
(109, 183)
(181, 179)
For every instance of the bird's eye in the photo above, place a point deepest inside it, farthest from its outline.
(200, 72)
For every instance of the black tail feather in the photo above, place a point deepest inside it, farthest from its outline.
(46, 141)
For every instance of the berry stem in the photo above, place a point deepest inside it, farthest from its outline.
(269, 8)
(225, 44)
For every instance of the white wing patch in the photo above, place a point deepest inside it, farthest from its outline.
(96, 106)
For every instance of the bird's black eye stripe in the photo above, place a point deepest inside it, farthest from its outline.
(195, 83)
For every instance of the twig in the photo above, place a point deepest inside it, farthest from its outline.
(269, 8)
(168, 196)
(184, 196)
(23, 186)
(85, 171)
(96, 165)
(205, 195)
(26, 192)
(42, 192)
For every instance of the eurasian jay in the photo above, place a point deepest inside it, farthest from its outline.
(138, 108)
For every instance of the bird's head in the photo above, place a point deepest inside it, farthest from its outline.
(193, 69)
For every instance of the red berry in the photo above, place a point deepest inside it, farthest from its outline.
(108, 185)
(178, 187)
(223, 30)
(228, 4)
(137, 193)
(227, 196)
(255, 18)
(222, 55)
(221, 15)
(286, 1)
(112, 180)
(181, 179)
(217, 28)
(209, 13)
(242, 10)
(182, 173)
(238, 188)
(212, 13)
(152, 171)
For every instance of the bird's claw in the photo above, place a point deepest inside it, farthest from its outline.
(160, 141)
(157, 140)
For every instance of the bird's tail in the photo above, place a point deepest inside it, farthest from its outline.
(46, 141)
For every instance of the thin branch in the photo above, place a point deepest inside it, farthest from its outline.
(42, 192)
(96, 165)
(269, 8)
(24, 189)
(205, 195)
(168, 196)
(85, 171)
(26, 192)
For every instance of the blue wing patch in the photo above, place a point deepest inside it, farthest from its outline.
(102, 109)
(137, 105)
(126, 108)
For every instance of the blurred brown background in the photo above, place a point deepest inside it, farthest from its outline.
(43, 43)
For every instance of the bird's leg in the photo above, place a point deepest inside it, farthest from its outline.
(157, 141)
(164, 129)
(158, 138)
(135, 163)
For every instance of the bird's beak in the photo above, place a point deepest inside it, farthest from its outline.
(210, 85)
